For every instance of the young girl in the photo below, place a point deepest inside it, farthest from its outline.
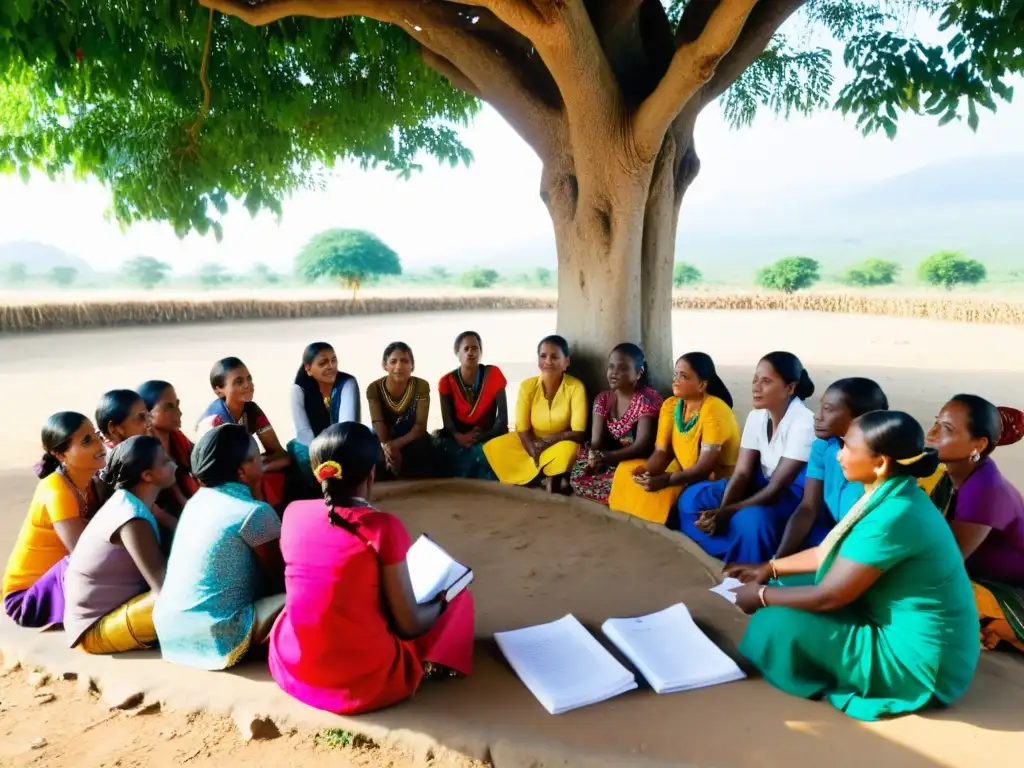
(233, 385)
(65, 499)
(226, 554)
(352, 637)
(121, 414)
(116, 570)
(165, 416)
(624, 425)
(399, 408)
(742, 519)
(828, 495)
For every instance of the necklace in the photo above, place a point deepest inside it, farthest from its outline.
(401, 404)
(688, 424)
(470, 394)
(83, 496)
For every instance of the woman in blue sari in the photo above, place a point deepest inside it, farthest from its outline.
(321, 396)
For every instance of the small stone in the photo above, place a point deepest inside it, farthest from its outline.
(123, 699)
(255, 726)
(10, 666)
(39, 743)
(45, 697)
(68, 676)
(146, 709)
(38, 679)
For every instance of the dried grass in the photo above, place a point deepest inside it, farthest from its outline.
(56, 316)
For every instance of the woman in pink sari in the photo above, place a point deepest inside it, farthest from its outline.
(352, 637)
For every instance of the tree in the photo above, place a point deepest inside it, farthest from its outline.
(479, 277)
(348, 255)
(213, 275)
(791, 274)
(438, 275)
(872, 272)
(607, 92)
(542, 277)
(263, 275)
(145, 271)
(15, 273)
(950, 269)
(62, 276)
(685, 274)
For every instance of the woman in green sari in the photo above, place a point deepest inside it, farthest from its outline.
(888, 624)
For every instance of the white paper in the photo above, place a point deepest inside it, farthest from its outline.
(725, 589)
(671, 652)
(563, 665)
(433, 571)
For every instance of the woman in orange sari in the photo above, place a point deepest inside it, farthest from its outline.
(474, 408)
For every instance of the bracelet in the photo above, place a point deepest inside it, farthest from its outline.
(775, 573)
(760, 595)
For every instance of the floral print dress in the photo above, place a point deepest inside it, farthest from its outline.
(597, 487)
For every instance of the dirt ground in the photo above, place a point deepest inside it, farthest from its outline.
(535, 561)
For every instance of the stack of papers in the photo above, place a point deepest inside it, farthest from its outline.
(563, 665)
(433, 571)
(671, 652)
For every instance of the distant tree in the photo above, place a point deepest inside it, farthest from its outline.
(479, 277)
(15, 273)
(213, 275)
(791, 274)
(872, 272)
(261, 273)
(145, 271)
(62, 276)
(438, 275)
(543, 277)
(348, 255)
(685, 274)
(950, 269)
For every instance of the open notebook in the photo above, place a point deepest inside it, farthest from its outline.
(433, 571)
(671, 652)
(563, 665)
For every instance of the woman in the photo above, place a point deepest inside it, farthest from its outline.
(474, 410)
(551, 424)
(399, 408)
(828, 495)
(121, 414)
(321, 395)
(117, 568)
(352, 637)
(623, 427)
(698, 438)
(165, 417)
(985, 511)
(210, 612)
(888, 626)
(65, 499)
(742, 519)
(233, 385)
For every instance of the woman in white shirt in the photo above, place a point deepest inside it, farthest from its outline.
(321, 396)
(742, 519)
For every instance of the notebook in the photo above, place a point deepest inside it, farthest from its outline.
(725, 589)
(433, 571)
(563, 665)
(671, 652)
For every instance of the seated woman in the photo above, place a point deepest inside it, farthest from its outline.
(321, 395)
(623, 427)
(551, 424)
(985, 511)
(828, 495)
(888, 625)
(474, 409)
(698, 439)
(233, 385)
(352, 637)
(66, 497)
(742, 519)
(121, 414)
(399, 408)
(117, 568)
(210, 611)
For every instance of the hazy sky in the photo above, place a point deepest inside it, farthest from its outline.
(457, 216)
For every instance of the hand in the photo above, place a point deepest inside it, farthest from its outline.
(653, 483)
(640, 470)
(712, 521)
(465, 439)
(394, 458)
(748, 598)
(539, 446)
(748, 572)
(595, 462)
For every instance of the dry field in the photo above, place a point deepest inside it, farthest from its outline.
(21, 312)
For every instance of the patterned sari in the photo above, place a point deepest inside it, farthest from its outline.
(475, 407)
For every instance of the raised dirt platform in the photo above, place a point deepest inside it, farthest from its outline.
(536, 559)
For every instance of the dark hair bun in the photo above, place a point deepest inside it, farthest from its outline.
(46, 466)
(805, 387)
(924, 467)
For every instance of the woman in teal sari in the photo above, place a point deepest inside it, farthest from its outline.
(888, 625)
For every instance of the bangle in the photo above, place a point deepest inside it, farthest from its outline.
(760, 595)
(775, 573)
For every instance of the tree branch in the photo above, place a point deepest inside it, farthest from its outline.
(692, 66)
(449, 71)
(762, 25)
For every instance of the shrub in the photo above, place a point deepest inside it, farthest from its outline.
(213, 276)
(479, 277)
(871, 273)
(15, 273)
(145, 271)
(685, 274)
(62, 276)
(790, 274)
(950, 269)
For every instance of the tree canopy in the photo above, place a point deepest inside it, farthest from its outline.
(178, 109)
(145, 271)
(949, 269)
(349, 255)
(872, 272)
(793, 273)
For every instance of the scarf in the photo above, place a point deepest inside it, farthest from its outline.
(320, 417)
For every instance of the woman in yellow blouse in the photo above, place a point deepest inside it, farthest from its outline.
(551, 423)
(698, 439)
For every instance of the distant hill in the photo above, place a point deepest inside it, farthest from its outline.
(40, 258)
